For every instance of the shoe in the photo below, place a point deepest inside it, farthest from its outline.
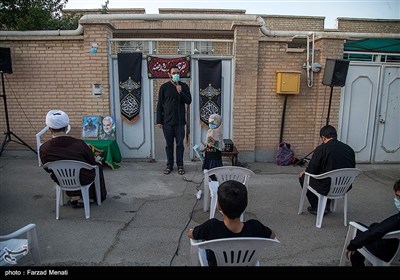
(313, 211)
(91, 201)
(75, 204)
(327, 210)
(181, 171)
(167, 170)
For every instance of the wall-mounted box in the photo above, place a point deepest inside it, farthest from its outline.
(288, 82)
(97, 89)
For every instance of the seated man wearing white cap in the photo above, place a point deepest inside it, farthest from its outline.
(62, 146)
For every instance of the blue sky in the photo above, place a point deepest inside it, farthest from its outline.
(329, 9)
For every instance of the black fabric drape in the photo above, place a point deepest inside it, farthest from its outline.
(130, 84)
(210, 72)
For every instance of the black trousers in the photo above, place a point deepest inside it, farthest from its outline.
(171, 133)
(312, 198)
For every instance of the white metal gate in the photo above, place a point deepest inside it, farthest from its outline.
(139, 139)
(134, 139)
(370, 112)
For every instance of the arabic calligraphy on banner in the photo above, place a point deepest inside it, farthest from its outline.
(157, 67)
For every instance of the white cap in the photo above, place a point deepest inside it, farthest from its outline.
(57, 119)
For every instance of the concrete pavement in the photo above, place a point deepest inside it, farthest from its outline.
(146, 216)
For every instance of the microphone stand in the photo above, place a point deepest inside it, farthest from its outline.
(8, 133)
(301, 161)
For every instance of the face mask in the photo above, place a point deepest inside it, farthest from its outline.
(175, 78)
(397, 203)
(212, 126)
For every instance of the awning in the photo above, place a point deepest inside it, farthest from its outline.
(373, 45)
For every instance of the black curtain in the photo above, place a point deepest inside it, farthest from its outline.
(210, 72)
(130, 84)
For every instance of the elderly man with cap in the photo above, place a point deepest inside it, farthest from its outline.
(64, 147)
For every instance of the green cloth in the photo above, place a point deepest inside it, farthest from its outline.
(109, 151)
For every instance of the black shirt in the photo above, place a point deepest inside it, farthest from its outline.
(171, 104)
(327, 157)
(216, 229)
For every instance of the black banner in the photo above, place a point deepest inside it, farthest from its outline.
(130, 84)
(210, 72)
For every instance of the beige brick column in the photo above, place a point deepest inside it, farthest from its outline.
(246, 38)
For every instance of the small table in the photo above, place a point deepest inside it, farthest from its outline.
(232, 155)
(109, 151)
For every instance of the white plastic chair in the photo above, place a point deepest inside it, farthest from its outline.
(13, 249)
(67, 173)
(223, 173)
(341, 180)
(243, 251)
(39, 142)
(375, 261)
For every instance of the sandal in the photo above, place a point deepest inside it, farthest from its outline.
(167, 170)
(181, 171)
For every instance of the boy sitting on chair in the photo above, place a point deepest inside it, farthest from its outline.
(232, 201)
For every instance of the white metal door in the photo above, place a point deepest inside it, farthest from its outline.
(387, 146)
(358, 109)
(370, 112)
(200, 132)
(134, 139)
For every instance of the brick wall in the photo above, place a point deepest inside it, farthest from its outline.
(270, 105)
(368, 25)
(299, 23)
(51, 73)
(57, 72)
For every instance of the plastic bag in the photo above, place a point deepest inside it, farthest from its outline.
(285, 154)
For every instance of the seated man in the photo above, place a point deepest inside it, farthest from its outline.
(64, 147)
(330, 155)
(372, 238)
(232, 201)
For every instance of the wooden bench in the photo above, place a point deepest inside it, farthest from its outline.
(232, 155)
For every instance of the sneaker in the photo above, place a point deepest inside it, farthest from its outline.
(327, 211)
(91, 201)
(313, 211)
(75, 204)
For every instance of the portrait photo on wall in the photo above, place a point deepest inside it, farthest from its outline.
(107, 128)
(90, 127)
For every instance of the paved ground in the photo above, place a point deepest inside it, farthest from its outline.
(145, 218)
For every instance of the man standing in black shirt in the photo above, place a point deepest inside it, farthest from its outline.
(330, 155)
(172, 97)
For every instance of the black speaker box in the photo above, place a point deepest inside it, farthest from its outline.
(5, 60)
(335, 72)
(228, 145)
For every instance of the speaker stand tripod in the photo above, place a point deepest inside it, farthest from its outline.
(300, 161)
(9, 133)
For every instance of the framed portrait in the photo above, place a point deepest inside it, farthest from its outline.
(90, 127)
(107, 128)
